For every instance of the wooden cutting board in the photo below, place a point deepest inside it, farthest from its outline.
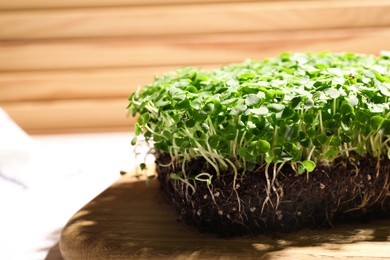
(131, 219)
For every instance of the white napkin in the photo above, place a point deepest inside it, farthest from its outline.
(45, 179)
(24, 164)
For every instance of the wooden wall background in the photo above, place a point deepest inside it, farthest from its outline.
(69, 66)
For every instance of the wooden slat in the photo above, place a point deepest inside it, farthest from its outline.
(39, 4)
(77, 84)
(70, 115)
(193, 19)
(180, 51)
(84, 54)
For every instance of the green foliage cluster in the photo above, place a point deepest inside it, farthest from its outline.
(297, 108)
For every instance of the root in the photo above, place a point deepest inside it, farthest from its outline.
(370, 197)
(378, 166)
(328, 219)
(212, 195)
(238, 200)
(275, 172)
(267, 190)
(273, 185)
(356, 169)
(234, 183)
(274, 198)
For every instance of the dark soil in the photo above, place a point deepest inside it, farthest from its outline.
(329, 195)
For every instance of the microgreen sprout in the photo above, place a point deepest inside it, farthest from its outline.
(298, 109)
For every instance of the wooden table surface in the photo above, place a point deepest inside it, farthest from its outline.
(132, 220)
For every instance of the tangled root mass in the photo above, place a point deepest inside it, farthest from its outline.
(342, 191)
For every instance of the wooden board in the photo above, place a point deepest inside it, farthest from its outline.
(36, 4)
(63, 116)
(132, 220)
(76, 84)
(193, 19)
(183, 50)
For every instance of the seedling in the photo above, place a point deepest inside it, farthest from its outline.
(297, 110)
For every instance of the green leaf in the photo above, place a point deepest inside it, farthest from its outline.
(269, 159)
(385, 127)
(292, 132)
(196, 103)
(161, 146)
(287, 113)
(262, 110)
(309, 165)
(347, 108)
(217, 142)
(375, 108)
(252, 99)
(242, 152)
(229, 101)
(176, 176)
(335, 141)
(229, 132)
(238, 110)
(251, 165)
(384, 89)
(333, 93)
(184, 104)
(295, 102)
(308, 118)
(167, 134)
(275, 107)
(192, 89)
(246, 75)
(190, 123)
(301, 169)
(320, 139)
(207, 109)
(381, 77)
(199, 116)
(134, 141)
(205, 127)
(137, 129)
(331, 154)
(290, 148)
(145, 118)
(304, 139)
(352, 100)
(143, 166)
(309, 103)
(361, 116)
(263, 146)
(217, 107)
(376, 122)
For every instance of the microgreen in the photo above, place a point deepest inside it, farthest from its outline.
(298, 109)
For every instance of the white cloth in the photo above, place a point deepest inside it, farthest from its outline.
(24, 163)
(46, 179)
